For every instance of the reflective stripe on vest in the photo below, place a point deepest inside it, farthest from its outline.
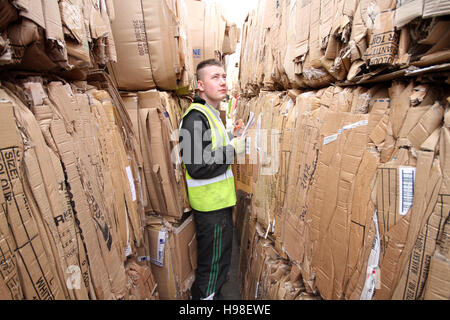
(202, 182)
(218, 192)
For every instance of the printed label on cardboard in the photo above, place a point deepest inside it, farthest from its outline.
(159, 260)
(131, 181)
(406, 188)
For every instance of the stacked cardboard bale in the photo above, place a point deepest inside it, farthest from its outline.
(304, 44)
(156, 116)
(73, 213)
(72, 208)
(153, 46)
(67, 37)
(206, 27)
(154, 54)
(347, 182)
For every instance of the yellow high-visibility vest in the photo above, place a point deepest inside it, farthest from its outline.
(218, 192)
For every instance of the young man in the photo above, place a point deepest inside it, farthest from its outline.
(207, 153)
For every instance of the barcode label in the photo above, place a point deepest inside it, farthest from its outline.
(407, 177)
(248, 142)
(159, 260)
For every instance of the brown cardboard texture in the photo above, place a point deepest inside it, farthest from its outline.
(384, 40)
(167, 175)
(143, 284)
(38, 278)
(344, 141)
(302, 167)
(152, 58)
(88, 144)
(399, 234)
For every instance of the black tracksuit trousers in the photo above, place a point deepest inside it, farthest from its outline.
(214, 243)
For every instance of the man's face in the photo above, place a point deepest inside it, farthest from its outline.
(213, 83)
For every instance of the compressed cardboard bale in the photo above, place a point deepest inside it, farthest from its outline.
(230, 39)
(383, 38)
(47, 186)
(125, 194)
(301, 171)
(38, 276)
(337, 167)
(95, 211)
(76, 34)
(398, 241)
(163, 155)
(196, 29)
(152, 59)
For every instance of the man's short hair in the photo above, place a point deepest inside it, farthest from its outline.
(207, 63)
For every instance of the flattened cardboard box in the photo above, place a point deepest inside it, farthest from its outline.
(38, 279)
(95, 212)
(414, 212)
(166, 173)
(46, 180)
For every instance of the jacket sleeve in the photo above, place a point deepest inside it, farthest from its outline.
(196, 148)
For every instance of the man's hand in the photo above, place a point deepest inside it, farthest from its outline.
(238, 144)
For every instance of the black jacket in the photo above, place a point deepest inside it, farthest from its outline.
(195, 155)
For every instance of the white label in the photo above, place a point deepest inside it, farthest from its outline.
(329, 139)
(267, 231)
(128, 251)
(74, 280)
(248, 142)
(356, 124)
(333, 137)
(406, 178)
(372, 273)
(159, 260)
(131, 181)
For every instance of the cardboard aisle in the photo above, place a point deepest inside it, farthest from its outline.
(343, 187)
(94, 204)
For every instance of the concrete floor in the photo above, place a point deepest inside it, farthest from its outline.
(230, 289)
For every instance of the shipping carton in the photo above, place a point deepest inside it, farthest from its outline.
(173, 253)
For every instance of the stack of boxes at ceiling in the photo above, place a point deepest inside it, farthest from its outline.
(71, 199)
(159, 43)
(344, 191)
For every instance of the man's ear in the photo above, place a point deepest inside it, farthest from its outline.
(200, 85)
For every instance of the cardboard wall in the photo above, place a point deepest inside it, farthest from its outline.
(311, 44)
(367, 167)
(156, 117)
(79, 203)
